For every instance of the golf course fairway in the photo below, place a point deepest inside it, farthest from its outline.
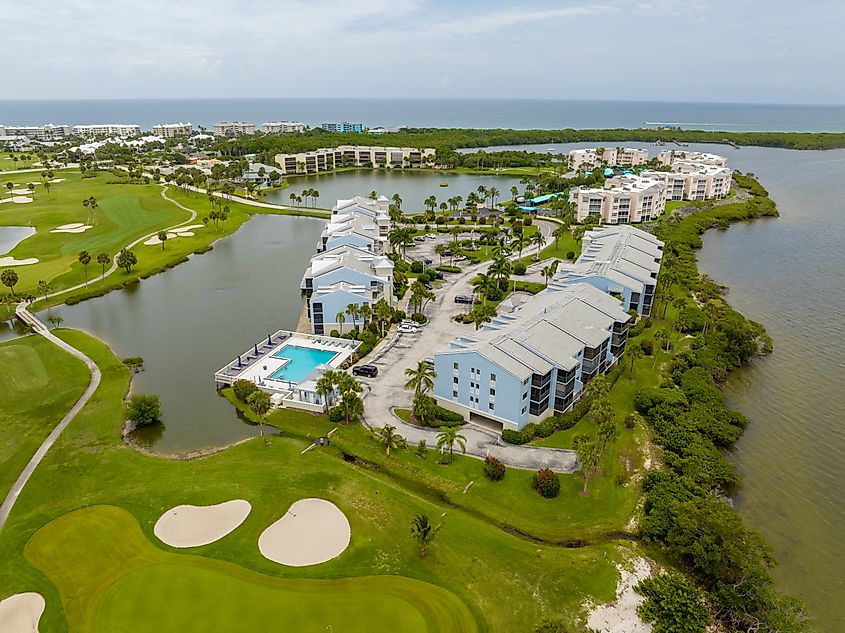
(111, 578)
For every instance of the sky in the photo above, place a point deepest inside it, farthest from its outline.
(743, 51)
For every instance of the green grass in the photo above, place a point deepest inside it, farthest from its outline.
(507, 583)
(38, 383)
(111, 578)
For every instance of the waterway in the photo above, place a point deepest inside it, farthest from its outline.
(412, 186)
(11, 236)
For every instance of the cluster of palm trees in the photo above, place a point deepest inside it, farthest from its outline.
(297, 199)
(333, 385)
(590, 449)
(380, 313)
(490, 193)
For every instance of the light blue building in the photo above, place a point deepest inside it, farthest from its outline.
(533, 362)
(343, 126)
(621, 260)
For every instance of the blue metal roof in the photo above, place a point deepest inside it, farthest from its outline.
(547, 197)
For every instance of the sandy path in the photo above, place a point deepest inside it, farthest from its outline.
(192, 526)
(620, 616)
(21, 612)
(312, 531)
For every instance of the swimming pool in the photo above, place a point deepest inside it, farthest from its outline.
(301, 362)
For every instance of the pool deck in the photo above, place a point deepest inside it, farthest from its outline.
(258, 363)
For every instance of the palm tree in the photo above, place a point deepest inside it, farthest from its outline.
(420, 379)
(341, 319)
(493, 193)
(440, 249)
(259, 404)
(365, 312)
(383, 312)
(162, 237)
(9, 278)
(10, 186)
(537, 240)
(354, 310)
(326, 386)
(387, 437)
(558, 233)
(397, 200)
(85, 259)
(423, 532)
(484, 284)
(373, 194)
(636, 353)
(519, 242)
(514, 193)
(501, 268)
(55, 320)
(449, 436)
(103, 259)
(44, 289)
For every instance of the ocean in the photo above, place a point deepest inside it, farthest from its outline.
(454, 113)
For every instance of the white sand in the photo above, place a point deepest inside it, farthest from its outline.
(312, 531)
(72, 225)
(620, 616)
(190, 227)
(11, 261)
(186, 234)
(21, 612)
(78, 229)
(21, 199)
(20, 192)
(192, 526)
(58, 180)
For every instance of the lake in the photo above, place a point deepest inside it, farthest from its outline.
(11, 236)
(412, 186)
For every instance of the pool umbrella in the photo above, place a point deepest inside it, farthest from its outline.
(239, 360)
(256, 349)
(269, 340)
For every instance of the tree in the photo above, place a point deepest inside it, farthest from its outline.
(636, 353)
(103, 259)
(537, 240)
(388, 438)
(10, 186)
(673, 603)
(162, 237)
(55, 320)
(126, 259)
(493, 193)
(382, 313)
(514, 193)
(588, 455)
(325, 386)
(546, 482)
(9, 278)
(423, 532)
(420, 379)
(350, 401)
(340, 317)
(259, 404)
(440, 249)
(44, 289)
(423, 409)
(84, 259)
(354, 311)
(420, 295)
(449, 436)
(143, 409)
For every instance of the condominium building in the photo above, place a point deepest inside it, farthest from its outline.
(283, 127)
(342, 276)
(343, 126)
(668, 157)
(593, 157)
(47, 132)
(694, 181)
(172, 130)
(354, 156)
(623, 199)
(233, 129)
(533, 362)
(621, 260)
(360, 222)
(120, 130)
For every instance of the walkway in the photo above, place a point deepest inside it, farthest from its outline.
(403, 351)
(23, 478)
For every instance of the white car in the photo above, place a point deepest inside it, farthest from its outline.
(431, 236)
(407, 329)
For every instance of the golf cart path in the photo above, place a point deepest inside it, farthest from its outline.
(26, 473)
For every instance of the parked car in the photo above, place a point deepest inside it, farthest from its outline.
(464, 299)
(427, 261)
(407, 329)
(431, 236)
(428, 360)
(419, 238)
(447, 253)
(409, 323)
(369, 371)
(438, 275)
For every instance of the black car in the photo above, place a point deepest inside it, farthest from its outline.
(368, 371)
(464, 299)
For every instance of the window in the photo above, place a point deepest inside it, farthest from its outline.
(454, 393)
(492, 377)
(455, 379)
(455, 366)
(525, 395)
(492, 391)
(524, 409)
(492, 406)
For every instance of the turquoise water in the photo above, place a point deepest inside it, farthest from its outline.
(303, 360)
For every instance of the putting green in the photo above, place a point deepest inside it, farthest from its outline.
(111, 578)
(21, 372)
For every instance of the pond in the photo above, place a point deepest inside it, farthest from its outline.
(11, 236)
(412, 186)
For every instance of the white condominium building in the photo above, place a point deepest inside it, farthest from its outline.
(609, 156)
(669, 157)
(172, 130)
(48, 132)
(107, 129)
(282, 127)
(232, 129)
(694, 181)
(354, 156)
(360, 222)
(623, 199)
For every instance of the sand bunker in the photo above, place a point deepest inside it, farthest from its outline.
(190, 227)
(21, 612)
(186, 233)
(58, 180)
(11, 261)
(76, 227)
(192, 526)
(20, 192)
(311, 532)
(21, 199)
(621, 616)
(173, 234)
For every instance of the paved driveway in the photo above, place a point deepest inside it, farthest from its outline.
(403, 351)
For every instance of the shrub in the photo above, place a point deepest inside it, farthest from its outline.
(494, 469)
(673, 603)
(547, 427)
(244, 389)
(547, 483)
(417, 267)
(632, 420)
(519, 267)
(449, 269)
(554, 625)
(203, 249)
(648, 346)
(334, 334)
(528, 221)
(462, 220)
(440, 219)
(143, 409)
(336, 415)
(570, 254)
(419, 317)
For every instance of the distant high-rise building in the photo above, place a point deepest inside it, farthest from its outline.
(107, 129)
(343, 126)
(283, 127)
(171, 130)
(233, 129)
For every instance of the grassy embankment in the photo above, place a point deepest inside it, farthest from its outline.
(473, 557)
